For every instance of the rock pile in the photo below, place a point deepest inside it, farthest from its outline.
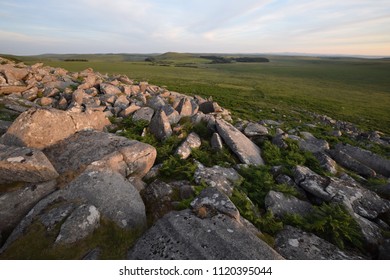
(62, 168)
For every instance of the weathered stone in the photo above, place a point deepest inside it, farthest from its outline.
(173, 115)
(218, 177)
(181, 235)
(349, 162)
(81, 223)
(56, 215)
(128, 157)
(281, 204)
(326, 162)
(114, 197)
(19, 164)
(367, 158)
(143, 114)
(208, 107)
(46, 101)
(12, 89)
(160, 126)
(4, 125)
(244, 148)
(255, 129)
(122, 102)
(129, 110)
(185, 107)
(192, 141)
(211, 202)
(153, 172)
(13, 74)
(295, 244)
(312, 144)
(15, 203)
(216, 142)
(156, 103)
(39, 128)
(31, 94)
(109, 89)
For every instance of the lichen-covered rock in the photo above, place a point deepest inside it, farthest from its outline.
(143, 114)
(20, 164)
(244, 148)
(41, 128)
(128, 157)
(255, 129)
(211, 202)
(281, 204)
(218, 177)
(192, 141)
(81, 223)
(326, 162)
(295, 244)
(182, 235)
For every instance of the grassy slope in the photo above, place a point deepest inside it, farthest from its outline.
(355, 90)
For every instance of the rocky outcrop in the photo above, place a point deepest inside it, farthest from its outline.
(39, 128)
(244, 148)
(295, 244)
(182, 235)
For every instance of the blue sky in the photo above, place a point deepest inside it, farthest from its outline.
(246, 26)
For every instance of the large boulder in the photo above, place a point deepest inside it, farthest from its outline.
(20, 164)
(182, 235)
(128, 157)
(349, 162)
(295, 244)
(41, 128)
(244, 148)
(18, 200)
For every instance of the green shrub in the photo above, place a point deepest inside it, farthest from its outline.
(178, 169)
(209, 157)
(331, 222)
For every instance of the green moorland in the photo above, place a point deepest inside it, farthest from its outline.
(349, 89)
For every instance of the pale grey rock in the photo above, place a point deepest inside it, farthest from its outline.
(377, 163)
(211, 202)
(81, 223)
(255, 129)
(295, 244)
(198, 118)
(114, 197)
(345, 160)
(137, 183)
(216, 142)
(182, 235)
(192, 142)
(244, 148)
(144, 114)
(160, 126)
(20, 164)
(281, 205)
(153, 172)
(38, 128)
(56, 215)
(156, 103)
(312, 144)
(218, 177)
(326, 162)
(127, 157)
(270, 123)
(17, 202)
(109, 89)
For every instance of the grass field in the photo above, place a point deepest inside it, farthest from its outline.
(350, 89)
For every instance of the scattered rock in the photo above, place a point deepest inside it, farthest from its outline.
(182, 235)
(192, 141)
(244, 148)
(295, 244)
(255, 129)
(160, 126)
(216, 142)
(218, 177)
(281, 204)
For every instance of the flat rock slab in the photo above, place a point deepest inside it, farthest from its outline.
(244, 148)
(295, 244)
(41, 128)
(281, 204)
(20, 164)
(181, 235)
(128, 157)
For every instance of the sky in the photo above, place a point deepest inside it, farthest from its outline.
(354, 27)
